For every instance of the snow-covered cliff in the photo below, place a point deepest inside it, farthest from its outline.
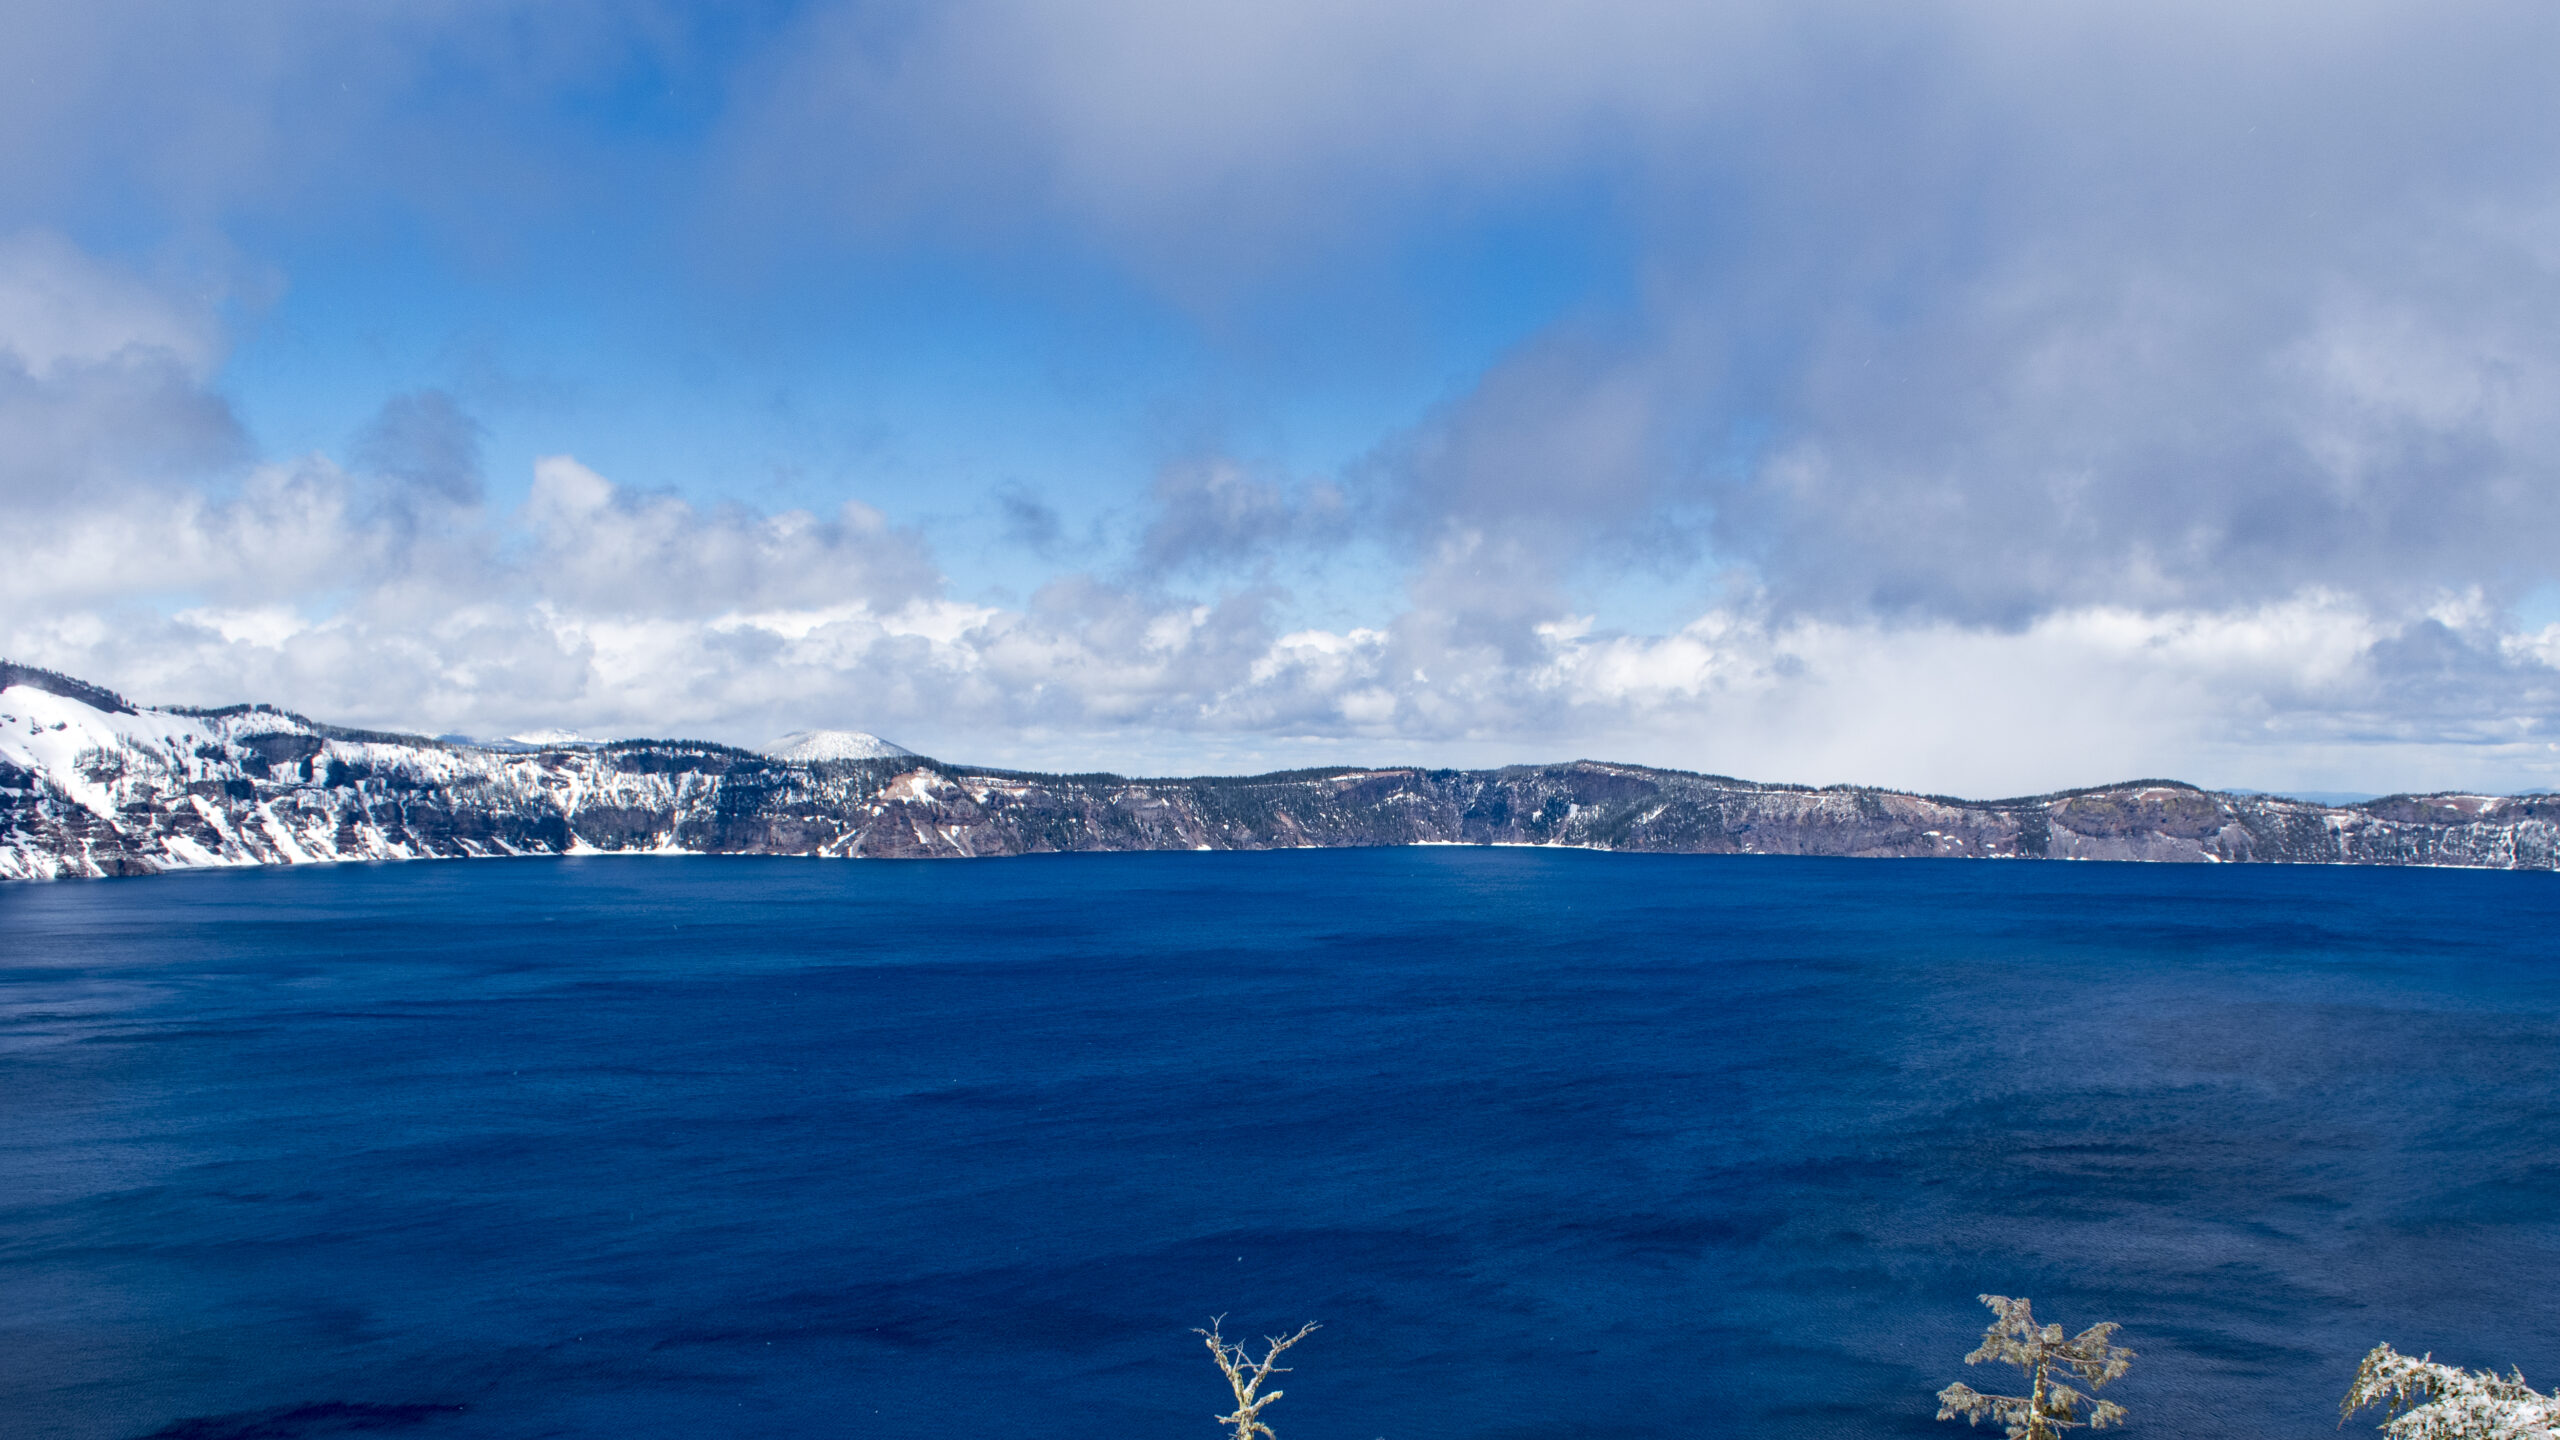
(91, 784)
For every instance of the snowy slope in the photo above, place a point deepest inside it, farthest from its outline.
(88, 787)
(809, 747)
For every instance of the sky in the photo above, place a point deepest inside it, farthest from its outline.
(1976, 398)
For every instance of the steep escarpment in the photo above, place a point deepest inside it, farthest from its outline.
(92, 784)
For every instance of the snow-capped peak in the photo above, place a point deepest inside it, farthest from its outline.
(811, 746)
(551, 740)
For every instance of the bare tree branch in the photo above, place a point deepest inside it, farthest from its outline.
(1245, 1375)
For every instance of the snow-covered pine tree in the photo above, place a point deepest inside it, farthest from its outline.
(2423, 1400)
(1245, 1376)
(2049, 1407)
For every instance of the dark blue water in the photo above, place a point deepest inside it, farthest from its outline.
(1553, 1143)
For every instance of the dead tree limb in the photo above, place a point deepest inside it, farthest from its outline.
(1245, 1376)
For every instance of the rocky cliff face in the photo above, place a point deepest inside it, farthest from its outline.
(91, 784)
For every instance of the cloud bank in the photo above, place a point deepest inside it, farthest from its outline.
(1976, 397)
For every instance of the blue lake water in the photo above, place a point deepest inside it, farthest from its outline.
(1554, 1144)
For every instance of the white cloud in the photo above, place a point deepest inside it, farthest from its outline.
(61, 307)
(1965, 310)
(2066, 392)
(762, 623)
(602, 548)
(102, 381)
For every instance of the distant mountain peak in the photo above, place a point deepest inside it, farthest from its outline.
(553, 739)
(811, 746)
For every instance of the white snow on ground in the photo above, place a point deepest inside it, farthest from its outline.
(85, 750)
(810, 746)
(916, 786)
(85, 791)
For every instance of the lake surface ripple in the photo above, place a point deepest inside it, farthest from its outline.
(1554, 1144)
